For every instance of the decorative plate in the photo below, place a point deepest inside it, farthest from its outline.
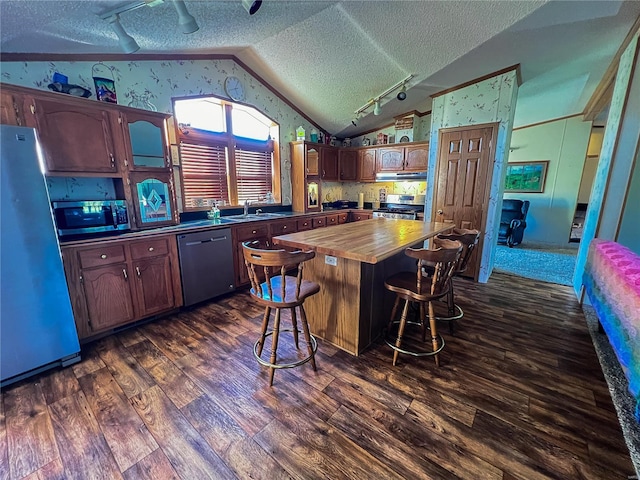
(404, 139)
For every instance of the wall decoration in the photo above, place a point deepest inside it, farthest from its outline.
(526, 177)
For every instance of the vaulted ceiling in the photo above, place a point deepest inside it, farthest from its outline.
(329, 58)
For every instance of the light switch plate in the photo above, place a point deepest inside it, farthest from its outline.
(329, 260)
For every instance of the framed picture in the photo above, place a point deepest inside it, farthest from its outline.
(526, 177)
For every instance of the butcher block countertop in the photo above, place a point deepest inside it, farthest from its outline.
(369, 241)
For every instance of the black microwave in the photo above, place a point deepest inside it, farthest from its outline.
(93, 216)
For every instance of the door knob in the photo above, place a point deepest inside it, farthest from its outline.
(439, 212)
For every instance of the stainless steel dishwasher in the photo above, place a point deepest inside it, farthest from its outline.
(206, 264)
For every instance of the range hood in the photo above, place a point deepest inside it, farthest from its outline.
(401, 177)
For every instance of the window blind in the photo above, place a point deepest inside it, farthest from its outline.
(253, 174)
(204, 173)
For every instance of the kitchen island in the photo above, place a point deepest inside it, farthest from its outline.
(351, 263)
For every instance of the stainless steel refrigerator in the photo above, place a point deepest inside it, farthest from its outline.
(37, 330)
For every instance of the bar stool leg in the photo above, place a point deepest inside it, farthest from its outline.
(423, 322)
(434, 333)
(307, 336)
(274, 345)
(265, 323)
(294, 324)
(403, 322)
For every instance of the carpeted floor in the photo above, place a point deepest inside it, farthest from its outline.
(539, 262)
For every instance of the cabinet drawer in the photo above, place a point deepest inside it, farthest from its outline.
(319, 222)
(250, 232)
(304, 224)
(343, 217)
(149, 248)
(281, 228)
(333, 219)
(99, 256)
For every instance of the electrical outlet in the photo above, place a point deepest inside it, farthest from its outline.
(329, 260)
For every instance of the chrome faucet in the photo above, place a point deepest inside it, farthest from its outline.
(246, 207)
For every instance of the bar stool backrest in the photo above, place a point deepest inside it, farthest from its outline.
(263, 265)
(439, 262)
(469, 240)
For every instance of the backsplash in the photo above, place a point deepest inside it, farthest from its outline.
(80, 188)
(332, 191)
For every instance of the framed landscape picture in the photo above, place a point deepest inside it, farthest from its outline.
(526, 177)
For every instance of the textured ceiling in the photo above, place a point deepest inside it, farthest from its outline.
(329, 58)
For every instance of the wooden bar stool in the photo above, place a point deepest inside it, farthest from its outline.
(273, 288)
(469, 240)
(418, 287)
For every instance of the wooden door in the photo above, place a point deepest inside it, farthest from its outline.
(108, 296)
(154, 287)
(10, 105)
(367, 165)
(75, 138)
(146, 146)
(390, 159)
(463, 179)
(312, 161)
(348, 165)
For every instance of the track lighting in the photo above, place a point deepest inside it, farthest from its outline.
(402, 94)
(251, 6)
(127, 42)
(375, 101)
(185, 19)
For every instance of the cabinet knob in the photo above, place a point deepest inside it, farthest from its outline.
(103, 256)
(124, 272)
(284, 228)
(138, 270)
(254, 232)
(151, 249)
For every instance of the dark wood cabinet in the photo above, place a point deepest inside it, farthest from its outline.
(117, 282)
(144, 134)
(306, 170)
(329, 162)
(282, 227)
(348, 163)
(11, 106)
(358, 216)
(152, 195)
(76, 138)
(367, 165)
(258, 231)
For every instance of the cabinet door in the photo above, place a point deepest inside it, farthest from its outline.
(154, 287)
(390, 159)
(75, 138)
(10, 108)
(416, 158)
(153, 198)
(146, 140)
(329, 162)
(348, 162)
(312, 160)
(367, 165)
(108, 296)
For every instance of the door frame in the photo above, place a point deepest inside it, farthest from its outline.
(487, 193)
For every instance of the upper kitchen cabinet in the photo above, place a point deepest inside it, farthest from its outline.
(367, 165)
(416, 157)
(329, 163)
(11, 108)
(147, 140)
(76, 136)
(348, 163)
(390, 159)
(305, 176)
(153, 197)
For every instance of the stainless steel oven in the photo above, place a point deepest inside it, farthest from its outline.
(401, 206)
(90, 217)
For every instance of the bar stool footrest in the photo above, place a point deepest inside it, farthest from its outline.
(391, 342)
(314, 348)
(457, 316)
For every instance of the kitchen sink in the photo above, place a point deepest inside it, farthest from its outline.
(254, 216)
(209, 223)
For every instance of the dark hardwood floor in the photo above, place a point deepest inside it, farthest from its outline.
(519, 395)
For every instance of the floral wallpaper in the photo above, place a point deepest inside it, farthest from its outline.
(152, 84)
(612, 129)
(80, 188)
(492, 100)
(332, 191)
(419, 133)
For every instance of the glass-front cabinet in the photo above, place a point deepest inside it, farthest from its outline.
(153, 197)
(147, 142)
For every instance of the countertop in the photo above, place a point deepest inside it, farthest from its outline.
(199, 225)
(370, 241)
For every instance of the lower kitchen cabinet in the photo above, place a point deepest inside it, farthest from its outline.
(357, 216)
(258, 231)
(113, 283)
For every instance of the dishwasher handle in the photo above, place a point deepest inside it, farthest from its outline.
(212, 239)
